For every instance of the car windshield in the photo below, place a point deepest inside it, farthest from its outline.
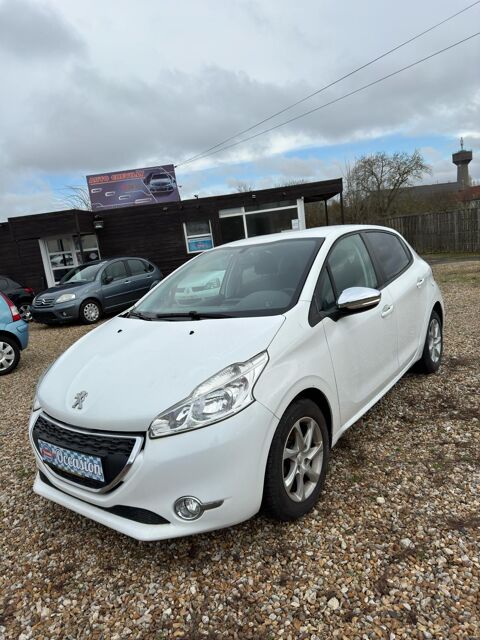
(83, 273)
(234, 281)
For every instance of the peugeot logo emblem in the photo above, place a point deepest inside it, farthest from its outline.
(79, 399)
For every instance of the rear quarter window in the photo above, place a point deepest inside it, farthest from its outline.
(390, 252)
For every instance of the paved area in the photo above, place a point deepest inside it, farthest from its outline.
(391, 551)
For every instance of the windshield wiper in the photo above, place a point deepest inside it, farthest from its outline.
(192, 315)
(137, 314)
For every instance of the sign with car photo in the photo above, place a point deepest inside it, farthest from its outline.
(133, 187)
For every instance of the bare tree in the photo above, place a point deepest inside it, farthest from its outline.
(374, 182)
(75, 197)
(244, 187)
(290, 182)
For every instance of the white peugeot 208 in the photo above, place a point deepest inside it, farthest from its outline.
(184, 415)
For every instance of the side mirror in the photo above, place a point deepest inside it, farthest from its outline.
(358, 299)
(107, 279)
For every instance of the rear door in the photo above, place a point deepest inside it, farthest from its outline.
(406, 280)
(363, 345)
(140, 278)
(115, 286)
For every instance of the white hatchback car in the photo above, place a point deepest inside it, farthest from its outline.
(167, 421)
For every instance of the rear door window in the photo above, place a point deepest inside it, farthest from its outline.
(390, 252)
(137, 267)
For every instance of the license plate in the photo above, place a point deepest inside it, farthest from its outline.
(79, 464)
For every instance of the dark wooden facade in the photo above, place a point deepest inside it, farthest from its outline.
(150, 231)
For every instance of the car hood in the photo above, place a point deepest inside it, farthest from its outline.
(61, 288)
(134, 369)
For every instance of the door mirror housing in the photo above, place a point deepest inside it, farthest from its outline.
(107, 279)
(358, 299)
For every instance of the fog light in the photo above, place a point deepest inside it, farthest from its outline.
(188, 508)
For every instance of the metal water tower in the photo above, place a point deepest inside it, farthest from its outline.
(462, 159)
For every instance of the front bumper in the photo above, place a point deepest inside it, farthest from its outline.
(223, 462)
(55, 314)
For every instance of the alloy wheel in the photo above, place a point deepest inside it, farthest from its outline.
(302, 459)
(434, 340)
(7, 356)
(25, 313)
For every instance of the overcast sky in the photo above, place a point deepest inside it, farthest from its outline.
(99, 86)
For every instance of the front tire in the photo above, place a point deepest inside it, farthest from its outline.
(24, 311)
(9, 355)
(90, 312)
(297, 462)
(433, 348)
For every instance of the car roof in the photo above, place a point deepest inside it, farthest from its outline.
(330, 232)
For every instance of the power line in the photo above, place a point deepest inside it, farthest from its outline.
(327, 86)
(346, 95)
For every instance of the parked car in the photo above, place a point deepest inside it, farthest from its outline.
(21, 296)
(161, 183)
(88, 291)
(169, 421)
(13, 335)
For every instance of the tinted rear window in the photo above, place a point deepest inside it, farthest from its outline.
(390, 252)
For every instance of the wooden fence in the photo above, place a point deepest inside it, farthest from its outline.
(451, 231)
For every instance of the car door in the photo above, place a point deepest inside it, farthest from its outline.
(140, 278)
(362, 345)
(115, 286)
(406, 280)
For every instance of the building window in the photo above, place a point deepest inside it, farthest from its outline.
(198, 236)
(255, 220)
(61, 254)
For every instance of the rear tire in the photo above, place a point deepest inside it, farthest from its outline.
(90, 311)
(9, 355)
(433, 349)
(297, 462)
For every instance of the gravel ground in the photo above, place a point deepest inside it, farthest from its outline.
(391, 551)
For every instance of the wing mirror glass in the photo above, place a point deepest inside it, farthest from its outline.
(358, 299)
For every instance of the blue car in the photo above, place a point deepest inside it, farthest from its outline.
(13, 335)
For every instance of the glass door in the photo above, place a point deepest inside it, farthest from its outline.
(61, 256)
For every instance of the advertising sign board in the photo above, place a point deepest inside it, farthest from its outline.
(133, 187)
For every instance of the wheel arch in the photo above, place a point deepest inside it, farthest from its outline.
(321, 400)
(12, 337)
(437, 307)
(93, 298)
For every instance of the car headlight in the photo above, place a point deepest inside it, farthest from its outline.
(65, 297)
(221, 396)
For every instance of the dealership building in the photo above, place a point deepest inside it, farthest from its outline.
(38, 250)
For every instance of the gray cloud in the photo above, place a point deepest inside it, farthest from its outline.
(33, 30)
(131, 88)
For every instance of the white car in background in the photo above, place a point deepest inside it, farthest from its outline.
(199, 286)
(171, 420)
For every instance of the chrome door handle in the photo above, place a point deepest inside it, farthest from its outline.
(126, 281)
(387, 310)
(420, 281)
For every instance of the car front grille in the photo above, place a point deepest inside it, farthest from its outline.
(115, 451)
(43, 303)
